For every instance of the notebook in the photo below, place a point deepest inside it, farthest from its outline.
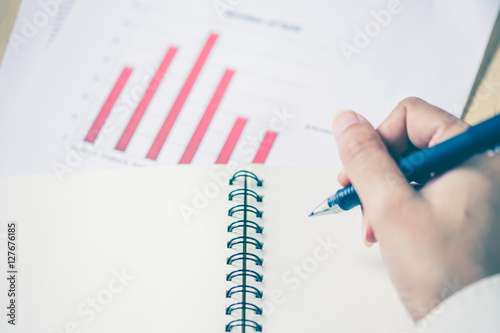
(179, 249)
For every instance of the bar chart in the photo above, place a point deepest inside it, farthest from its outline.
(203, 126)
(154, 82)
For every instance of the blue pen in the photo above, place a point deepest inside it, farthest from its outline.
(427, 163)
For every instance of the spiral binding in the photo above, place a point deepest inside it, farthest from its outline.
(246, 263)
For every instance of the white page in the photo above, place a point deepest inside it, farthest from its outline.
(74, 238)
(291, 76)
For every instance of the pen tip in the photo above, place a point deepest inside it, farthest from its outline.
(311, 214)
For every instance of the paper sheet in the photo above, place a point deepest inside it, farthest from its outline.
(146, 249)
(295, 64)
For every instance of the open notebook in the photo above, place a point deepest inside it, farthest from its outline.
(165, 250)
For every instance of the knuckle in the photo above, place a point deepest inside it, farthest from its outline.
(410, 102)
(455, 125)
(361, 147)
(450, 127)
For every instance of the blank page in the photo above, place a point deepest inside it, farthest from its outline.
(145, 250)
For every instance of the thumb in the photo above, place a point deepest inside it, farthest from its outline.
(372, 171)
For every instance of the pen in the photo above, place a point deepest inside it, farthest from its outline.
(427, 163)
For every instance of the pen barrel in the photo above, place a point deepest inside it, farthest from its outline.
(427, 163)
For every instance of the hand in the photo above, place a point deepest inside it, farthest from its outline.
(436, 240)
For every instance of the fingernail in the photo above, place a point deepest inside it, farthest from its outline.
(344, 119)
(364, 227)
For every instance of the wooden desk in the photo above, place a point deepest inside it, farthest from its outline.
(8, 12)
(484, 100)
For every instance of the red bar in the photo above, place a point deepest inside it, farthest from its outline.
(231, 141)
(200, 131)
(265, 147)
(146, 98)
(108, 105)
(181, 98)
